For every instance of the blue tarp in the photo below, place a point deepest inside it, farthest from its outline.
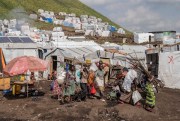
(49, 20)
(112, 28)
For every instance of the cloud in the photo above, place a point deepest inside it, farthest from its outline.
(140, 15)
(164, 1)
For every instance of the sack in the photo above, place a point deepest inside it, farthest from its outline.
(136, 96)
(99, 82)
(61, 78)
(93, 90)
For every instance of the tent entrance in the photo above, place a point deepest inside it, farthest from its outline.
(54, 63)
(153, 63)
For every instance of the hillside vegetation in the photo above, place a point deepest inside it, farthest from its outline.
(32, 6)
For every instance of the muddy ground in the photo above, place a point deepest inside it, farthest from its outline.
(47, 109)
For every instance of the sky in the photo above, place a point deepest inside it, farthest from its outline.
(140, 15)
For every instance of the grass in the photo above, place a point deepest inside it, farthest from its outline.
(9, 8)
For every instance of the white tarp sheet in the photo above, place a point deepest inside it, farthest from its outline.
(10, 54)
(169, 64)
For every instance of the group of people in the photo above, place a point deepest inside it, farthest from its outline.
(85, 82)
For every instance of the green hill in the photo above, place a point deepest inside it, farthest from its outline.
(68, 6)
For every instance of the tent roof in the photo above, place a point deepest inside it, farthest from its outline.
(25, 39)
(20, 45)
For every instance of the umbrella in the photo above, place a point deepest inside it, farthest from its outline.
(21, 65)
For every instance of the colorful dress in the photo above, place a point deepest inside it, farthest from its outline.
(91, 78)
(150, 95)
(70, 87)
(56, 88)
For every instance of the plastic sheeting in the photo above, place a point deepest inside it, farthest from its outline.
(112, 29)
(13, 53)
(169, 69)
(49, 20)
(106, 33)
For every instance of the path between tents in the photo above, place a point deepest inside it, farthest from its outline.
(45, 108)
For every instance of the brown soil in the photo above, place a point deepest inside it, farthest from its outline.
(44, 108)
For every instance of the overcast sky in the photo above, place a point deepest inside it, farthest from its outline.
(140, 15)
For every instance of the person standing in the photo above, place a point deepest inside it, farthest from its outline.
(72, 80)
(55, 86)
(105, 67)
(91, 78)
(83, 84)
(100, 81)
(69, 85)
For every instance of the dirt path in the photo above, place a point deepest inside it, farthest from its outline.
(47, 109)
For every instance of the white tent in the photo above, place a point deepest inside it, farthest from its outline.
(169, 69)
(142, 37)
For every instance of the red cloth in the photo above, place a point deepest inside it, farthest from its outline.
(93, 90)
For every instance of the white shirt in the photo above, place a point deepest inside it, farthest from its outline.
(131, 75)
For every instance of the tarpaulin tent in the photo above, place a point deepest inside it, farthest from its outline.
(169, 69)
(49, 20)
(112, 28)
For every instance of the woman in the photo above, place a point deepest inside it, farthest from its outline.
(69, 87)
(100, 81)
(55, 86)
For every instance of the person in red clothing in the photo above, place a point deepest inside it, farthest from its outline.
(91, 78)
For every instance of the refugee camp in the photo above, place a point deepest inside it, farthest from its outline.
(64, 61)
